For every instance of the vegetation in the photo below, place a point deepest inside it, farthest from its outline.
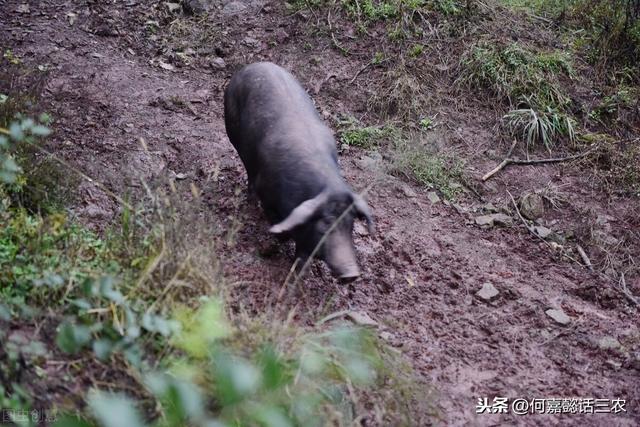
(124, 299)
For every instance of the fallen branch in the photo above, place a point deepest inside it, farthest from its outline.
(627, 293)
(584, 257)
(508, 161)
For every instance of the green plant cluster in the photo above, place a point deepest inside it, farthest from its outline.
(528, 81)
(191, 364)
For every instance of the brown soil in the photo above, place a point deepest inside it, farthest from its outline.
(423, 268)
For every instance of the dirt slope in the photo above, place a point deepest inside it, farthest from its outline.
(107, 89)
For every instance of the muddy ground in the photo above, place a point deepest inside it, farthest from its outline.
(114, 78)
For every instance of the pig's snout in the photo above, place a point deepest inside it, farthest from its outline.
(341, 257)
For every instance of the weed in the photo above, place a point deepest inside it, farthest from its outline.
(540, 127)
(355, 135)
(516, 75)
(417, 162)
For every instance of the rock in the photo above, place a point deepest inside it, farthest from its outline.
(196, 7)
(494, 219)
(484, 220)
(543, 232)
(558, 316)
(614, 364)
(173, 7)
(488, 292)
(408, 191)
(233, 7)
(433, 197)
(251, 42)
(608, 343)
(502, 219)
(362, 319)
(532, 206)
(218, 63)
(387, 336)
(370, 162)
(489, 207)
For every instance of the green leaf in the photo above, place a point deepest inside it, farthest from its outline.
(40, 130)
(4, 141)
(133, 355)
(81, 303)
(182, 400)
(71, 338)
(103, 348)
(5, 313)
(235, 378)
(10, 165)
(45, 118)
(272, 416)
(114, 411)
(274, 371)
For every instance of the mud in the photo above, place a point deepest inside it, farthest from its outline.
(108, 90)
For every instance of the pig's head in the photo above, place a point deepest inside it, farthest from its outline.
(314, 218)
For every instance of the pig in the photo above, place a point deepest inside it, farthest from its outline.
(292, 165)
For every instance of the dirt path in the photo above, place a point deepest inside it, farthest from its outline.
(421, 271)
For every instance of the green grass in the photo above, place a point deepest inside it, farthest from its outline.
(148, 300)
(353, 134)
(609, 29)
(514, 74)
(417, 162)
(540, 127)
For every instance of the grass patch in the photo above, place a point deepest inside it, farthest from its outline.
(417, 162)
(148, 303)
(353, 134)
(513, 74)
(609, 30)
(545, 128)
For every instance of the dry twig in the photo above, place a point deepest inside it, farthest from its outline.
(509, 161)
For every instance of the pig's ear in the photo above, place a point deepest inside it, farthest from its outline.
(301, 214)
(363, 211)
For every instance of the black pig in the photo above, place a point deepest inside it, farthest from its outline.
(292, 164)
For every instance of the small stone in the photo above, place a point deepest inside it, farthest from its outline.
(502, 219)
(173, 7)
(218, 63)
(195, 7)
(251, 42)
(488, 292)
(181, 175)
(433, 197)
(532, 206)
(362, 319)
(233, 8)
(494, 219)
(490, 207)
(485, 220)
(558, 316)
(613, 364)
(608, 343)
(408, 191)
(387, 336)
(543, 232)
